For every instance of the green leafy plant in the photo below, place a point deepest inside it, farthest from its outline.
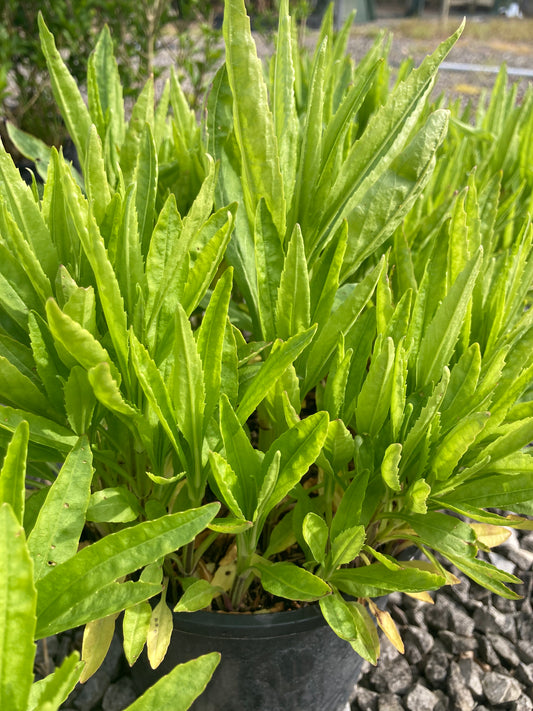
(34, 605)
(316, 333)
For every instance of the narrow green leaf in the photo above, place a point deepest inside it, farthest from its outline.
(293, 298)
(316, 534)
(179, 688)
(341, 321)
(96, 567)
(254, 125)
(227, 483)
(142, 114)
(186, 385)
(56, 533)
(55, 688)
(135, 627)
(299, 447)
(376, 579)
(66, 93)
(289, 581)
(390, 466)
(374, 399)
(281, 356)
(13, 472)
(210, 341)
(440, 337)
(269, 261)
(18, 600)
(197, 596)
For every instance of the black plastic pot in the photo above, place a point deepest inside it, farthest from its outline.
(281, 661)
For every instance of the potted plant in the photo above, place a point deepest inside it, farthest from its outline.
(344, 374)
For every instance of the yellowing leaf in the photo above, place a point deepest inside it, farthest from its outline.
(422, 596)
(159, 631)
(388, 626)
(489, 535)
(97, 638)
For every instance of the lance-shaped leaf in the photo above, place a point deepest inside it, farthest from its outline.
(135, 629)
(377, 214)
(351, 621)
(299, 448)
(286, 124)
(18, 600)
(456, 444)
(391, 127)
(94, 568)
(210, 341)
(57, 530)
(80, 345)
(254, 125)
(97, 638)
(341, 321)
(66, 93)
(186, 387)
(242, 457)
(145, 181)
(142, 114)
(26, 213)
(179, 688)
(202, 272)
(288, 580)
(440, 337)
(227, 484)
(159, 630)
(281, 356)
(197, 596)
(293, 298)
(373, 402)
(377, 579)
(269, 261)
(55, 688)
(96, 180)
(316, 534)
(13, 472)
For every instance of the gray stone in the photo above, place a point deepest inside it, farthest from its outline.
(524, 674)
(443, 703)
(390, 702)
(527, 542)
(525, 651)
(524, 703)
(486, 651)
(437, 616)
(492, 620)
(522, 559)
(122, 693)
(504, 649)
(500, 689)
(457, 643)
(418, 643)
(92, 691)
(460, 621)
(115, 659)
(421, 699)
(458, 690)
(388, 651)
(436, 669)
(472, 675)
(393, 676)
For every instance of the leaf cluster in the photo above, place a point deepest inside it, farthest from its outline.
(312, 308)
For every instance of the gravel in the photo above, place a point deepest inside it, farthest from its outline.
(470, 651)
